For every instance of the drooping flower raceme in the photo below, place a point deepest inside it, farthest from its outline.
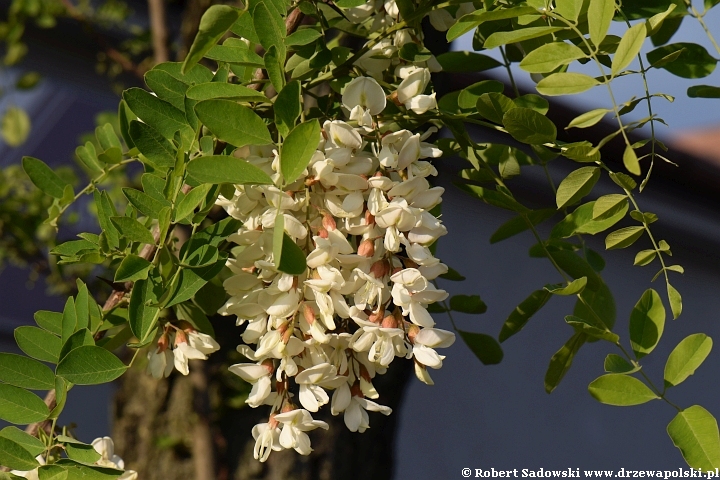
(361, 211)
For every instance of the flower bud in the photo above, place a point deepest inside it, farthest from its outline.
(163, 343)
(369, 218)
(180, 337)
(380, 268)
(322, 233)
(412, 331)
(288, 407)
(328, 222)
(308, 313)
(186, 326)
(269, 365)
(366, 248)
(389, 322)
(376, 317)
(272, 423)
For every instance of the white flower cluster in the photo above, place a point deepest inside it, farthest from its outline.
(105, 447)
(361, 213)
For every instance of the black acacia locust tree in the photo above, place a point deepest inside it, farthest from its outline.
(287, 184)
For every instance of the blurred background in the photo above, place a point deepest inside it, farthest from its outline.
(65, 65)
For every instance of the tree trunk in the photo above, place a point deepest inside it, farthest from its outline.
(182, 428)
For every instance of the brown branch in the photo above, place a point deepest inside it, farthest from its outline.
(292, 22)
(158, 30)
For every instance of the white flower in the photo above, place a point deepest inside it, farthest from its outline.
(342, 135)
(313, 380)
(259, 375)
(160, 363)
(415, 84)
(356, 417)
(364, 92)
(426, 341)
(422, 103)
(267, 439)
(106, 448)
(295, 424)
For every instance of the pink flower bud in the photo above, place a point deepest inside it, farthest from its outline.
(328, 222)
(366, 248)
(308, 314)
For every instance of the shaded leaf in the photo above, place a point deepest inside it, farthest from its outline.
(485, 347)
(647, 322)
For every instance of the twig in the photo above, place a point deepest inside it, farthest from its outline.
(158, 30)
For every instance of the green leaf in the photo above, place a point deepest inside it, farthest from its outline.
(608, 205)
(269, 28)
(87, 154)
(647, 322)
(675, 301)
(467, 304)
(132, 268)
(562, 360)
(581, 221)
(210, 90)
(236, 53)
(292, 258)
(167, 87)
(233, 123)
(644, 257)
(629, 47)
(703, 91)
(623, 180)
(623, 237)
(25, 372)
(513, 36)
(14, 456)
(50, 321)
(493, 197)
(192, 279)
(82, 304)
(44, 177)
(617, 364)
(493, 106)
(535, 102)
(156, 148)
(82, 453)
(686, 357)
(38, 343)
(142, 316)
(591, 329)
(77, 339)
(303, 36)
(227, 169)
(86, 472)
(588, 119)
(520, 224)
(133, 230)
(528, 126)
(576, 185)
(28, 442)
(52, 472)
(693, 62)
(191, 201)
(573, 288)
(105, 210)
(275, 67)
(565, 83)
(157, 113)
(287, 107)
(548, 57)
(21, 407)
(695, 432)
(620, 390)
(522, 313)
(69, 320)
(464, 62)
(472, 20)
(214, 23)
(144, 203)
(485, 347)
(298, 149)
(90, 365)
(600, 14)
(630, 161)
(15, 126)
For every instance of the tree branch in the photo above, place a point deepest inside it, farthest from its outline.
(158, 30)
